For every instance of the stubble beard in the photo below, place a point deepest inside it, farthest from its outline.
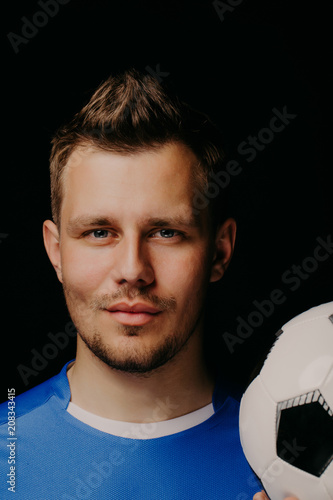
(137, 360)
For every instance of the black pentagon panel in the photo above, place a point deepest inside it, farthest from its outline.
(331, 318)
(305, 433)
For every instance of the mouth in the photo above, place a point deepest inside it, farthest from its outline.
(133, 314)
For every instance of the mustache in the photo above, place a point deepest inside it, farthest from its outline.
(107, 300)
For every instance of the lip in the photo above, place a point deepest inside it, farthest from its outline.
(138, 307)
(133, 314)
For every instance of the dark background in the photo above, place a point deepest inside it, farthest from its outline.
(236, 67)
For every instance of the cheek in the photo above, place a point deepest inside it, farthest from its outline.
(184, 275)
(83, 270)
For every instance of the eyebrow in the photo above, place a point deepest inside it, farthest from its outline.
(190, 221)
(86, 221)
(83, 221)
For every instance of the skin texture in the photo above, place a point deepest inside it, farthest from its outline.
(128, 235)
(148, 248)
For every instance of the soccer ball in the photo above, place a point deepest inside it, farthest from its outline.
(286, 413)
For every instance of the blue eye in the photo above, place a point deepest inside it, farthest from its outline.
(167, 233)
(100, 233)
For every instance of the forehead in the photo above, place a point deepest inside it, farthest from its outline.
(149, 183)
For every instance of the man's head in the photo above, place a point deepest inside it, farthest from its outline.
(130, 113)
(134, 259)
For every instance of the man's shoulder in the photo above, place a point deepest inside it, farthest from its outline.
(37, 397)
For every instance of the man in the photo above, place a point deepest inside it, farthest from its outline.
(140, 413)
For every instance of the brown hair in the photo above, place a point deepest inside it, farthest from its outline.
(131, 112)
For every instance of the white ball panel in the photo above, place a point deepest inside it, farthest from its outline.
(257, 426)
(299, 360)
(316, 372)
(321, 311)
(282, 479)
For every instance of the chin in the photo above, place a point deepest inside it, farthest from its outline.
(131, 354)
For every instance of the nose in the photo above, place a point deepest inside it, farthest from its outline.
(132, 264)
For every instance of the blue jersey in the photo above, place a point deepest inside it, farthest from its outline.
(48, 454)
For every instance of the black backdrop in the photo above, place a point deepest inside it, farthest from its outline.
(241, 62)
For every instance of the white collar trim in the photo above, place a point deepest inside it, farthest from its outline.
(147, 430)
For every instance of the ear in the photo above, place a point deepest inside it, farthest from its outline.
(224, 249)
(51, 242)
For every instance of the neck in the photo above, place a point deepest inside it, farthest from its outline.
(181, 386)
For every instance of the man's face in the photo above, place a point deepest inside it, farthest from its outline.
(133, 260)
